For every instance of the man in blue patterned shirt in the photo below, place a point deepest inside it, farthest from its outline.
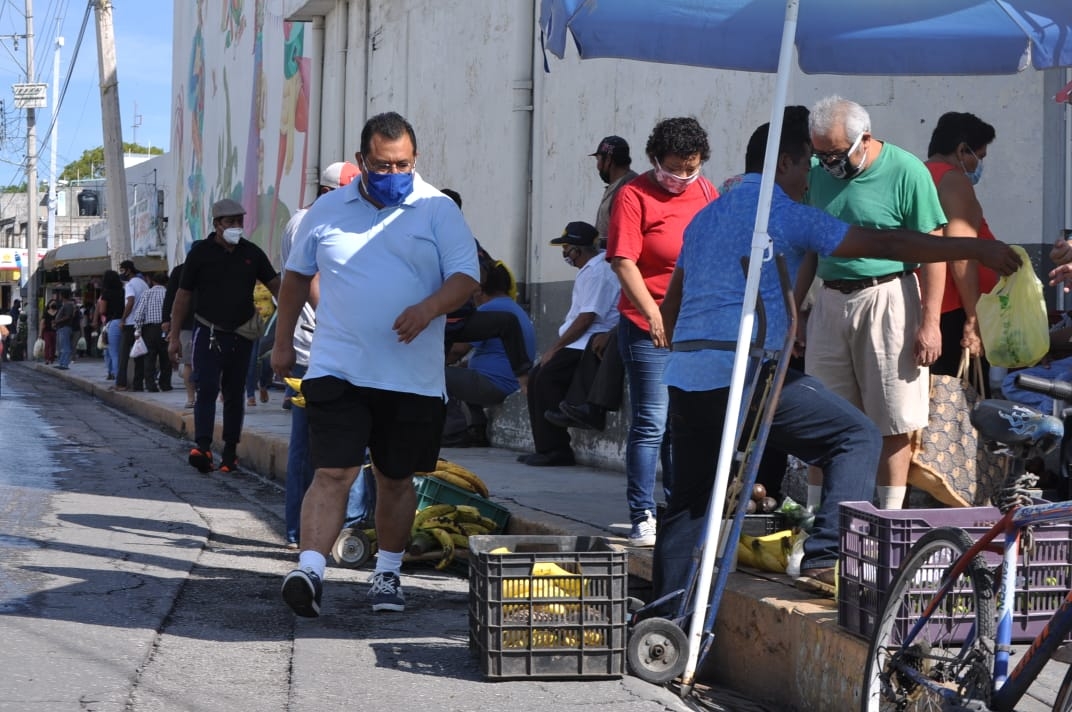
(703, 307)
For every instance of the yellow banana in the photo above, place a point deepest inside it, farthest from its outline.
(460, 540)
(448, 548)
(563, 580)
(467, 513)
(475, 483)
(445, 523)
(432, 512)
(370, 534)
(471, 529)
(453, 479)
(490, 524)
(767, 553)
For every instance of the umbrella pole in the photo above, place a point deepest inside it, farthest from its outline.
(760, 246)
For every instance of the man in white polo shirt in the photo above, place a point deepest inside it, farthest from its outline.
(394, 256)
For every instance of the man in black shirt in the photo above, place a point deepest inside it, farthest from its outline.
(218, 276)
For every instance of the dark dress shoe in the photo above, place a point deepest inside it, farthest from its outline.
(555, 458)
(459, 439)
(558, 419)
(585, 415)
(478, 436)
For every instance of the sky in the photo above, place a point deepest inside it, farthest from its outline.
(143, 39)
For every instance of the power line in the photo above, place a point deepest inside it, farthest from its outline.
(70, 71)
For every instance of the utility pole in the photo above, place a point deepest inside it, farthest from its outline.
(33, 235)
(119, 246)
(52, 149)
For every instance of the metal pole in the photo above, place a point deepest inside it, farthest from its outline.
(119, 246)
(54, 138)
(33, 234)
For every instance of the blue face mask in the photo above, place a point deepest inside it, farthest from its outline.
(974, 176)
(388, 188)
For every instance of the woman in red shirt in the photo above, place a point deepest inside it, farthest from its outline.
(646, 227)
(955, 159)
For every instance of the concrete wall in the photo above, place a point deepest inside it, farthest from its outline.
(515, 140)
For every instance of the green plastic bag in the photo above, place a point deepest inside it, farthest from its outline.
(1012, 318)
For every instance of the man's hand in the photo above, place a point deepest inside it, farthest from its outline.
(1062, 251)
(283, 357)
(412, 321)
(998, 256)
(800, 341)
(174, 348)
(599, 343)
(1062, 275)
(928, 345)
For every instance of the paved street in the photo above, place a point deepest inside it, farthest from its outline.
(130, 582)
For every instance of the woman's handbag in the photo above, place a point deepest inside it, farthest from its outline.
(948, 461)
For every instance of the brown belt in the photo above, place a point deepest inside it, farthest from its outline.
(848, 286)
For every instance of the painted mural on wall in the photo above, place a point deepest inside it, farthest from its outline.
(229, 139)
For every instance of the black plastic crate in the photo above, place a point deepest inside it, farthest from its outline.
(569, 622)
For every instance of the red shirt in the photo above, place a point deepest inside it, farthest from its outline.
(987, 277)
(647, 224)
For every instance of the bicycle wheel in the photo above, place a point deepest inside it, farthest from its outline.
(947, 650)
(1063, 703)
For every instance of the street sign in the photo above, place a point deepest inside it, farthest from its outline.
(29, 96)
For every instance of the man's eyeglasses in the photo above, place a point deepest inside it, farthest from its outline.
(389, 167)
(837, 156)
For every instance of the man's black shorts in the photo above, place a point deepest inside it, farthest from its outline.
(400, 430)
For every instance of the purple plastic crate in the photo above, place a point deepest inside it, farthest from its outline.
(875, 541)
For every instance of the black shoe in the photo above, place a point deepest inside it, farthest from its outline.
(151, 389)
(164, 388)
(478, 436)
(585, 415)
(555, 458)
(558, 419)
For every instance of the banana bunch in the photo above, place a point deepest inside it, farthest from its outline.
(447, 527)
(551, 638)
(766, 553)
(298, 400)
(454, 474)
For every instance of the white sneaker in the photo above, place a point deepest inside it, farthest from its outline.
(643, 532)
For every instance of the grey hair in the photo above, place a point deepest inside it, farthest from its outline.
(829, 112)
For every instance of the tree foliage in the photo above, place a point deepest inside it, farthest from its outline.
(91, 164)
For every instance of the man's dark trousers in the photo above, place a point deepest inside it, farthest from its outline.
(125, 345)
(548, 383)
(159, 365)
(219, 366)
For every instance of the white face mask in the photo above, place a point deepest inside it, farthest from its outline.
(232, 235)
(672, 183)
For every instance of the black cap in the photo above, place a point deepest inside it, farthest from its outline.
(577, 233)
(613, 146)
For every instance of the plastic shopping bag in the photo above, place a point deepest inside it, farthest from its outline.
(1012, 318)
(39, 349)
(139, 349)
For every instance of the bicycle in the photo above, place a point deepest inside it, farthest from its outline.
(941, 641)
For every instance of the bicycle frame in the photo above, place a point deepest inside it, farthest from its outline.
(1008, 687)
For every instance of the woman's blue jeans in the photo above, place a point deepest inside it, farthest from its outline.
(115, 336)
(648, 401)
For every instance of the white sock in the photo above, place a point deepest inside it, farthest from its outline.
(313, 562)
(891, 497)
(389, 562)
(815, 496)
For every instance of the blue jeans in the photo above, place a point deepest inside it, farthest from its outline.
(299, 465)
(63, 344)
(811, 422)
(648, 400)
(1060, 369)
(111, 354)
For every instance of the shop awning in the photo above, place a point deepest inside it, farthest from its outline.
(90, 258)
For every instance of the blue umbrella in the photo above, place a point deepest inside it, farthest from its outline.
(860, 37)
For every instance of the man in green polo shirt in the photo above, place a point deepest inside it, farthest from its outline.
(870, 336)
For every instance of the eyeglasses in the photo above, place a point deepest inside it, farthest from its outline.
(834, 156)
(389, 167)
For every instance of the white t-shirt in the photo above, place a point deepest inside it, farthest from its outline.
(135, 287)
(303, 330)
(596, 290)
